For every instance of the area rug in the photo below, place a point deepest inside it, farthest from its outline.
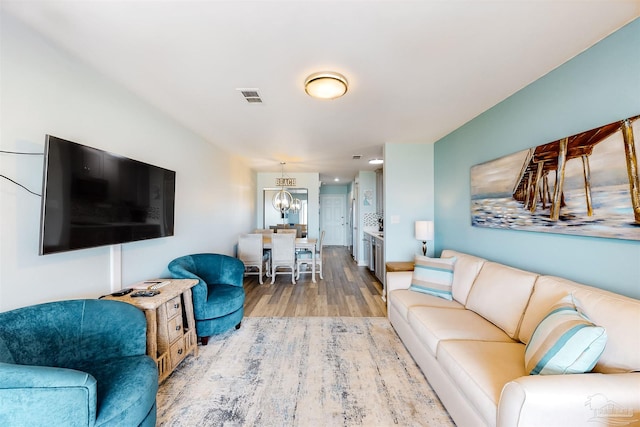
(301, 371)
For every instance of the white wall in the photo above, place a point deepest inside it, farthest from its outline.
(44, 90)
(344, 192)
(310, 181)
(366, 211)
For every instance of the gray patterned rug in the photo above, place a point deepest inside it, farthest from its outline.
(303, 371)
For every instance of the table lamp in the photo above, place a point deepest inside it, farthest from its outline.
(424, 232)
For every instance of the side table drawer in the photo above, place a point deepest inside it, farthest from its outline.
(174, 306)
(175, 328)
(178, 352)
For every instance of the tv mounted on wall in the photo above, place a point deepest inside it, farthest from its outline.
(94, 198)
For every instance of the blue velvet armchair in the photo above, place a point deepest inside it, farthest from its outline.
(218, 298)
(76, 363)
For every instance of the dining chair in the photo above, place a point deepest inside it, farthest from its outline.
(264, 230)
(288, 231)
(283, 255)
(268, 232)
(293, 231)
(252, 254)
(306, 257)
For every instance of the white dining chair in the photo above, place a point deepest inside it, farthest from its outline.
(251, 253)
(283, 255)
(287, 231)
(264, 231)
(306, 257)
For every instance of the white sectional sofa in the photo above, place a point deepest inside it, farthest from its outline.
(472, 349)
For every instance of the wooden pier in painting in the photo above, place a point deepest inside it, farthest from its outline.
(533, 186)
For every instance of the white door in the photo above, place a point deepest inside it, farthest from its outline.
(332, 219)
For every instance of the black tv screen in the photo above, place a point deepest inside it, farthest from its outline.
(94, 198)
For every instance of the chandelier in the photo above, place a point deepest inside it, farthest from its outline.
(296, 205)
(282, 200)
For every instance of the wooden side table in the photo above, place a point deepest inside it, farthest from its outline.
(399, 266)
(171, 328)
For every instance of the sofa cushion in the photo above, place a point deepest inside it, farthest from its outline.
(127, 388)
(464, 273)
(433, 276)
(46, 396)
(500, 294)
(619, 315)
(221, 301)
(564, 342)
(432, 325)
(480, 369)
(403, 299)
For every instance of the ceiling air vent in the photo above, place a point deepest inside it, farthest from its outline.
(251, 96)
(357, 157)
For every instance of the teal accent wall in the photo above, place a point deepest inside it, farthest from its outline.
(408, 197)
(597, 87)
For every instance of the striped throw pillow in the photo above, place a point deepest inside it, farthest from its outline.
(433, 276)
(565, 341)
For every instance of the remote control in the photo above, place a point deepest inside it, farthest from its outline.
(160, 285)
(145, 293)
(122, 292)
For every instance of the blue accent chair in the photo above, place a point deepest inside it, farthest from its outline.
(76, 363)
(218, 298)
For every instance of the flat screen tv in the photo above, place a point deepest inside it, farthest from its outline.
(93, 198)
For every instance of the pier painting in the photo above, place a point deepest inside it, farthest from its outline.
(586, 184)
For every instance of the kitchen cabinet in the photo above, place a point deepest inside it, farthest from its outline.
(379, 261)
(366, 246)
(374, 247)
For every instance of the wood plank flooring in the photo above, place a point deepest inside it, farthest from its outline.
(346, 290)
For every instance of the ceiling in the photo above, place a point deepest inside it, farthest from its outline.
(417, 70)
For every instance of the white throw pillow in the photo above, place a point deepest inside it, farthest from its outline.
(565, 341)
(433, 276)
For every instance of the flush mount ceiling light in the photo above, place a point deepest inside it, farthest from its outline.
(326, 85)
(376, 161)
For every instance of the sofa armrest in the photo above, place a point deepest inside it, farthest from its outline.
(40, 395)
(398, 280)
(178, 271)
(576, 400)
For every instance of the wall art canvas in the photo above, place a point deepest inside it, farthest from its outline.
(586, 184)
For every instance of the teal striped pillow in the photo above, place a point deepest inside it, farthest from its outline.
(564, 342)
(433, 276)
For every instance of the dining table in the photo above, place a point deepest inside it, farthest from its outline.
(302, 243)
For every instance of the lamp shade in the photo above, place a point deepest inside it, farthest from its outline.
(424, 230)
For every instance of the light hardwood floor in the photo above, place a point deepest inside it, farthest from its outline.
(346, 290)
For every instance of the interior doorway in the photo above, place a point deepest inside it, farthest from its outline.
(332, 219)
